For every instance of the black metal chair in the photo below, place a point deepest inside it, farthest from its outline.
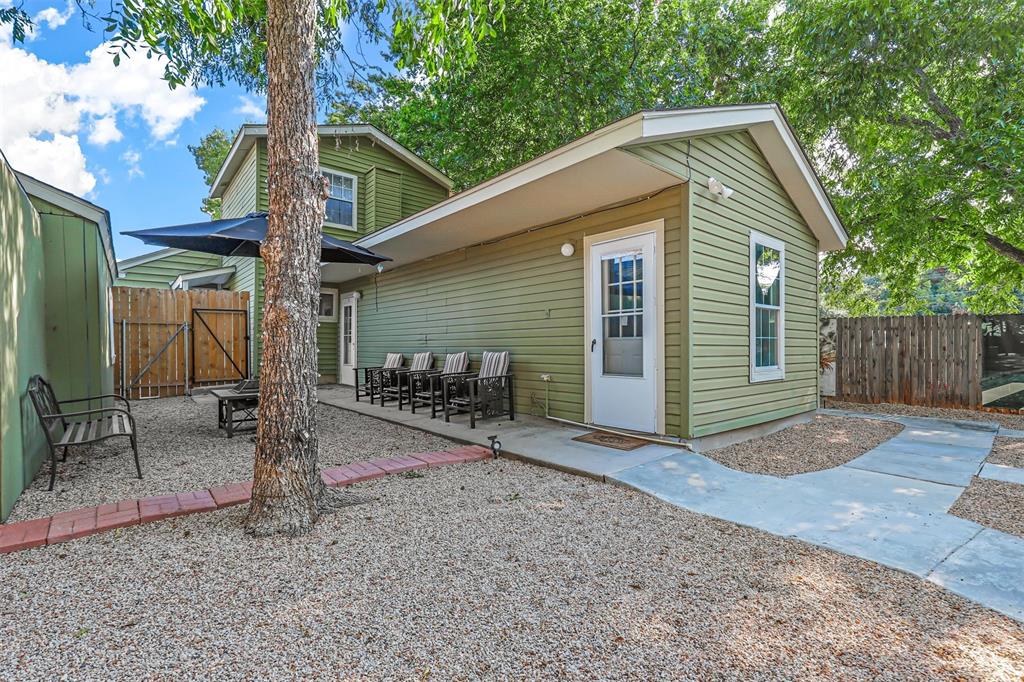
(423, 388)
(369, 386)
(490, 391)
(61, 433)
(391, 380)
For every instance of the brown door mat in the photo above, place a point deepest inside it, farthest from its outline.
(611, 440)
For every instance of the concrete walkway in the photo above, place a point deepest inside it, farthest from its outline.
(889, 505)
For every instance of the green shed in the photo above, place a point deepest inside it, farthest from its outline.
(56, 270)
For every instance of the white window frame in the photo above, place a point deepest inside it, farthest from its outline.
(777, 372)
(334, 306)
(355, 200)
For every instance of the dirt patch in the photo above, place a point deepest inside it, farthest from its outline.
(822, 443)
(995, 504)
(1009, 421)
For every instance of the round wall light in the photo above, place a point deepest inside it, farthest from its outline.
(568, 249)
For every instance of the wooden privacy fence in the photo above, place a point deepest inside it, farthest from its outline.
(166, 342)
(933, 361)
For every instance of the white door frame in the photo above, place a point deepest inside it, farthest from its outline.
(348, 298)
(657, 227)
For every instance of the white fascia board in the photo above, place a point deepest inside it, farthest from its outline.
(79, 207)
(218, 275)
(603, 140)
(780, 147)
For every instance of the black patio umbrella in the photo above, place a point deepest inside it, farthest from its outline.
(242, 237)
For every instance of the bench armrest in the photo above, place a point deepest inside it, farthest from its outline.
(97, 397)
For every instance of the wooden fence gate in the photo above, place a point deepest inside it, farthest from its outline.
(166, 342)
(931, 360)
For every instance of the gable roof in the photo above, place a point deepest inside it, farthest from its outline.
(765, 122)
(80, 207)
(249, 133)
(144, 258)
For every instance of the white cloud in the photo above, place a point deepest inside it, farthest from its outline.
(251, 110)
(131, 159)
(47, 106)
(104, 131)
(53, 17)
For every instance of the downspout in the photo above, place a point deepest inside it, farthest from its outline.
(546, 378)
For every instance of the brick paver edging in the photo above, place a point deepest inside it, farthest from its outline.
(78, 523)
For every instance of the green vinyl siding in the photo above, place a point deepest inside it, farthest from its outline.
(22, 337)
(161, 272)
(519, 294)
(240, 197)
(722, 395)
(399, 189)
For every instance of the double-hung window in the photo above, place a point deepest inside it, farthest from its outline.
(341, 201)
(767, 308)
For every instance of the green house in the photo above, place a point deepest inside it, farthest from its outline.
(374, 182)
(56, 269)
(659, 274)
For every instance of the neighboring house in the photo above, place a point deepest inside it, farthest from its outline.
(56, 265)
(374, 181)
(650, 296)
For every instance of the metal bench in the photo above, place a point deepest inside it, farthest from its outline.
(109, 422)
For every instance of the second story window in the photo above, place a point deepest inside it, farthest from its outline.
(341, 204)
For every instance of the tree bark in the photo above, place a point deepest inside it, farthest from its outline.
(286, 478)
(1005, 248)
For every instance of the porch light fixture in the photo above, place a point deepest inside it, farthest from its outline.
(718, 188)
(568, 249)
(380, 268)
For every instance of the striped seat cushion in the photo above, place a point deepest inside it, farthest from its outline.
(494, 364)
(456, 362)
(393, 361)
(422, 361)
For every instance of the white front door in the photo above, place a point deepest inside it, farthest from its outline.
(623, 340)
(347, 340)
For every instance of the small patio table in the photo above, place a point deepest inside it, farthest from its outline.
(235, 407)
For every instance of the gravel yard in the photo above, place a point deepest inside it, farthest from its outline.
(1008, 451)
(996, 504)
(489, 570)
(1009, 421)
(181, 449)
(822, 443)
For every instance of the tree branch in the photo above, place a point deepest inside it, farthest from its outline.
(1005, 248)
(935, 103)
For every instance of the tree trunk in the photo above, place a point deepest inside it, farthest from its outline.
(286, 478)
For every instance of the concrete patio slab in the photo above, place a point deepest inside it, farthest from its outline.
(527, 437)
(988, 569)
(1010, 433)
(1002, 472)
(897, 491)
(935, 468)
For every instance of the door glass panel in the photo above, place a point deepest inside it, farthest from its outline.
(346, 347)
(622, 313)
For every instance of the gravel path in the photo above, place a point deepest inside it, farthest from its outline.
(1008, 451)
(489, 570)
(996, 504)
(822, 443)
(1010, 421)
(181, 449)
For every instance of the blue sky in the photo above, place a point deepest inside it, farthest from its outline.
(116, 135)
